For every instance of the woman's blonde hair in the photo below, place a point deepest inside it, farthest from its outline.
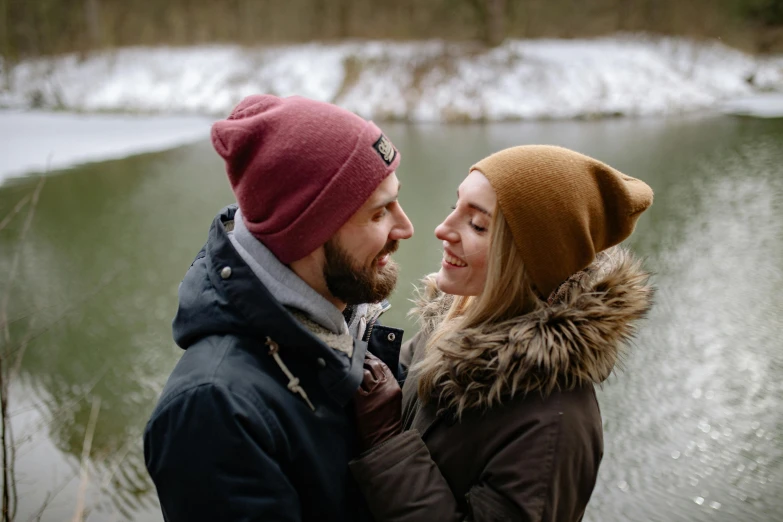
(507, 293)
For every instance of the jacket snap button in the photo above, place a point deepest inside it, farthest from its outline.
(321, 363)
(225, 273)
(391, 337)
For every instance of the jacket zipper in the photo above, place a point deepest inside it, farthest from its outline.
(385, 305)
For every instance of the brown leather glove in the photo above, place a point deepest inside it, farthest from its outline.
(378, 404)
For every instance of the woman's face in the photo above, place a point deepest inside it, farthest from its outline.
(465, 236)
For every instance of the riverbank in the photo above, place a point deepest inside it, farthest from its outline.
(40, 142)
(433, 81)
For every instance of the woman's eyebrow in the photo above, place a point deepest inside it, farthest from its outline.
(477, 207)
(480, 209)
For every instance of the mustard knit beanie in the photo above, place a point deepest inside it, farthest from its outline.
(562, 207)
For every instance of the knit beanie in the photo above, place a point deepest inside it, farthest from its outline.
(562, 207)
(300, 168)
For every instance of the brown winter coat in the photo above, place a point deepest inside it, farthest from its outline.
(529, 439)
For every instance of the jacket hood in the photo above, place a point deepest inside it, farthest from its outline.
(221, 296)
(575, 339)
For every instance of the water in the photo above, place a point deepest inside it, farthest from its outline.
(693, 424)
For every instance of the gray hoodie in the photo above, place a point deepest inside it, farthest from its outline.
(289, 289)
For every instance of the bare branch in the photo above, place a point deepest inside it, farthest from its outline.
(70, 405)
(15, 262)
(5, 439)
(13, 494)
(50, 496)
(38, 514)
(78, 516)
(19, 206)
(13, 372)
(123, 454)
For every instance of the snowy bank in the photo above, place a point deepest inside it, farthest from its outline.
(764, 105)
(37, 142)
(417, 81)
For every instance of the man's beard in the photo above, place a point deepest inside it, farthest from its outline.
(356, 285)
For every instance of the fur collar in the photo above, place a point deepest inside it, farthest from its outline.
(574, 339)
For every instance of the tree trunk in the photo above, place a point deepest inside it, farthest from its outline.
(495, 21)
(652, 11)
(344, 19)
(623, 13)
(92, 18)
(6, 53)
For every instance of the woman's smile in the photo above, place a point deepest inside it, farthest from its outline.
(452, 261)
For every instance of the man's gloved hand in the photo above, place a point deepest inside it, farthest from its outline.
(378, 404)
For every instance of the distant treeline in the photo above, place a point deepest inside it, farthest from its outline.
(42, 27)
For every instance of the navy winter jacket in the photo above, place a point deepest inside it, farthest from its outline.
(228, 441)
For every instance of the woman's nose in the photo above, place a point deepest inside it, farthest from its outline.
(446, 233)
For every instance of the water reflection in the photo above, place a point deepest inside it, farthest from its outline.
(693, 429)
(98, 279)
(702, 392)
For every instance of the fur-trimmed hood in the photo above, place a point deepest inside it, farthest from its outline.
(574, 339)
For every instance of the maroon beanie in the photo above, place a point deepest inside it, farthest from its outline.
(300, 168)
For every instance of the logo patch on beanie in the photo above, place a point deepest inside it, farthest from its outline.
(385, 149)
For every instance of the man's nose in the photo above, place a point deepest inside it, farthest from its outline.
(404, 228)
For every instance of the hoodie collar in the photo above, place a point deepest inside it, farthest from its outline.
(222, 295)
(284, 285)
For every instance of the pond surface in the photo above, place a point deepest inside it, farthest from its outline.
(693, 423)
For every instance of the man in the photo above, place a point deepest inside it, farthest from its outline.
(276, 314)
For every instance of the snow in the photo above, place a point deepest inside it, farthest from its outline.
(417, 81)
(40, 142)
(765, 105)
(180, 90)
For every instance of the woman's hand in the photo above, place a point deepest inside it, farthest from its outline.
(378, 404)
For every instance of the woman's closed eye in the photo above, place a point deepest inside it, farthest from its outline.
(474, 226)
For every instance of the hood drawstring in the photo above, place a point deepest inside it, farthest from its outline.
(293, 382)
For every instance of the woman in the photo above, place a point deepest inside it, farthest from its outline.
(528, 312)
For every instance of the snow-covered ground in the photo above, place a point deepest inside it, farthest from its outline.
(37, 141)
(417, 81)
(763, 105)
